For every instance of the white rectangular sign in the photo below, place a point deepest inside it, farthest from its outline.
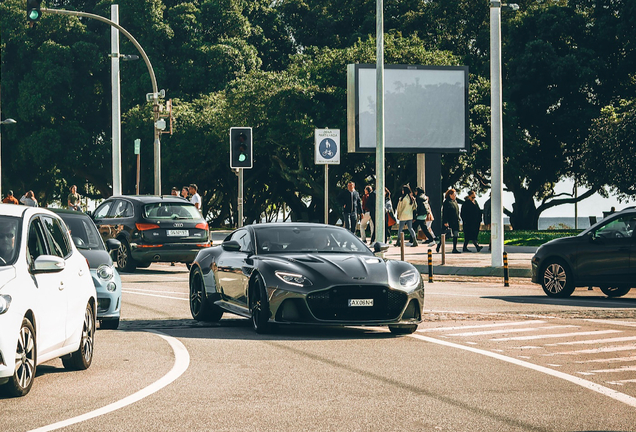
(327, 147)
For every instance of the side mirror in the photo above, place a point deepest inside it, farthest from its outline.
(231, 246)
(47, 264)
(112, 244)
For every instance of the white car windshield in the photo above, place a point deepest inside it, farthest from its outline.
(83, 232)
(307, 239)
(9, 239)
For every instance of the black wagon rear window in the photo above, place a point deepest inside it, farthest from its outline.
(164, 210)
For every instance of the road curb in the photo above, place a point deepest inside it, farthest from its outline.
(474, 271)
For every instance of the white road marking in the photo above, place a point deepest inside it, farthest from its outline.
(154, 295)
(597, 350)
(605, 391)
(555, 336)
(482, 326)
(620, 369)
(181, 363)
(622, 381)
(595, 341)
(612, 360)
(521, 330)
(154, 291)
(608, 321)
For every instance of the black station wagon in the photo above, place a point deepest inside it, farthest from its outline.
(152, 229)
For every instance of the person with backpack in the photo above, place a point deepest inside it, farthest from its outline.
(424, 216)
(405, 208)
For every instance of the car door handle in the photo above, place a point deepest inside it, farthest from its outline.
(61, 287)
(81, 272)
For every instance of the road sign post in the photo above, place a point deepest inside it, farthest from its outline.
(327, 152)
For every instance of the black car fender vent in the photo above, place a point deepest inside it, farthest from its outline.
(333, 304)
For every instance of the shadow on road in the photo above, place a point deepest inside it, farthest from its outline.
(600, 302)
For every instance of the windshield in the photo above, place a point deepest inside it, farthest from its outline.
(317, 239)
(171, 210)
(83, 232)
(9, 239)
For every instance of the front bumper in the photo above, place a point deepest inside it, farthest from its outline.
(8, 344)
(108, 302)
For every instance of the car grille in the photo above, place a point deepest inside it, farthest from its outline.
(103, 304)
(333, 304)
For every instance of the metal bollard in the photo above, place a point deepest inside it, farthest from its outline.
(430, 266)
(506, 278)
(443, 248)
(401, 240)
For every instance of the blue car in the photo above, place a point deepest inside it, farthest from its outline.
(105, 277)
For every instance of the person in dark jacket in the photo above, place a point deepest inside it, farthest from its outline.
(423, 215)
(351, 206)
(450, 218)
(471, 217)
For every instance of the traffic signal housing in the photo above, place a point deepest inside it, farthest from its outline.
(241, 147)
(34, 11)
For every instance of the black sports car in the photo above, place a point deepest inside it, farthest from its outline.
(302, 273)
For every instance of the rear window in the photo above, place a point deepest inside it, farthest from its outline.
(165, 210)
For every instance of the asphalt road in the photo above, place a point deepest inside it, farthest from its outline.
(486, 358)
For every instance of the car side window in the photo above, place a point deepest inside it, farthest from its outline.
(122, 209)
(35, 242)
(242, 236)
(59, 243)
(619, 228)
(102, 211)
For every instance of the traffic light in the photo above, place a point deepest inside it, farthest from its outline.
(241, 147)
(33, 10)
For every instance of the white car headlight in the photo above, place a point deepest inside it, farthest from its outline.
(5, 302)
(293, 278)
(105, 272)
(409, 279)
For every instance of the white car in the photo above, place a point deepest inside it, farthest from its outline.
(47, 297)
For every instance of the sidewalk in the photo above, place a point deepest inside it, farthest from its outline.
(467, 263)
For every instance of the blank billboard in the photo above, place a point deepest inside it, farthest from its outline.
(425, 108)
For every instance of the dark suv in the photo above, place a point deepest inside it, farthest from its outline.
(152, 229)
(603, 255)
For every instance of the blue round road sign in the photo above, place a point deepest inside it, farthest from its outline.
(327, 148)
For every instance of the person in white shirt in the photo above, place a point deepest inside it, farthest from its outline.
(196, 198)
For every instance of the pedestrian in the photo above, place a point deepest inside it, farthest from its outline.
(10, 199)
(389, 218)
(185, 192)
(371, 207)
(407, 204)
(28, 199)
(366, 214)
(74, 200)
(174, 191)
(488, 218)
(351, 206)
(450, 218)
(424, 217)
(471, 218)
(195, 197)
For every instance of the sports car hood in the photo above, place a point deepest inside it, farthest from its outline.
(332, 268)
(96, 257)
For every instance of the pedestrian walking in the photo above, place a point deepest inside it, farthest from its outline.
(389, 218)
(195, 198)
(28, 199)
(74, 200)
(366, 214)
(351, 206)
(10, 199)
(471, 218)
(488, 218)
(406, 205)
(450, 218)
(424, 216)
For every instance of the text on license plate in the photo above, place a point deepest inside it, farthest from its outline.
(360, 302)
(177, 233)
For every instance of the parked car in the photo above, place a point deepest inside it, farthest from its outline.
(603, 255)
(301, 273)
(105, 276)
(152, 229)
(47, 297)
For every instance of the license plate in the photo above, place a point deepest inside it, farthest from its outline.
(360, 302)
(177, 233)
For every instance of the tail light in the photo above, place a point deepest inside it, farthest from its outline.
(202, 226)
(145, 226)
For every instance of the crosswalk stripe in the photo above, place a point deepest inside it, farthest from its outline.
(595, 341)
(620, 369)
(527, 329)
(481, 326)
(596, 350)
(611, 360)
(554, 336)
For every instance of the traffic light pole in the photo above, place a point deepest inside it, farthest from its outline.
(240, 197)
(153, 79)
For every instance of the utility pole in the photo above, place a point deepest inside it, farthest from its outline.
(116, 98)
(379, 148)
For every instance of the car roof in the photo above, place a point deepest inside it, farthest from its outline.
(146, 199)
(13, 209)
(291, 225)
(68, 212)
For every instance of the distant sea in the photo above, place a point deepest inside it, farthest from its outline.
(546, 223)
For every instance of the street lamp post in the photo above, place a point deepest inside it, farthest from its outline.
(496, 133)
(3, 122)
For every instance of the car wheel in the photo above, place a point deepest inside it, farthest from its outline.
(125, 261)
(83, 357)
(25, 362)
(259, 306)
(557, 280)
(200, 307)
(617, 291)
(109, 324)
(403, 329)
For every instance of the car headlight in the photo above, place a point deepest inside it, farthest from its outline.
(105, 272)
(5, 302)
(293, 278)
(410, 279)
